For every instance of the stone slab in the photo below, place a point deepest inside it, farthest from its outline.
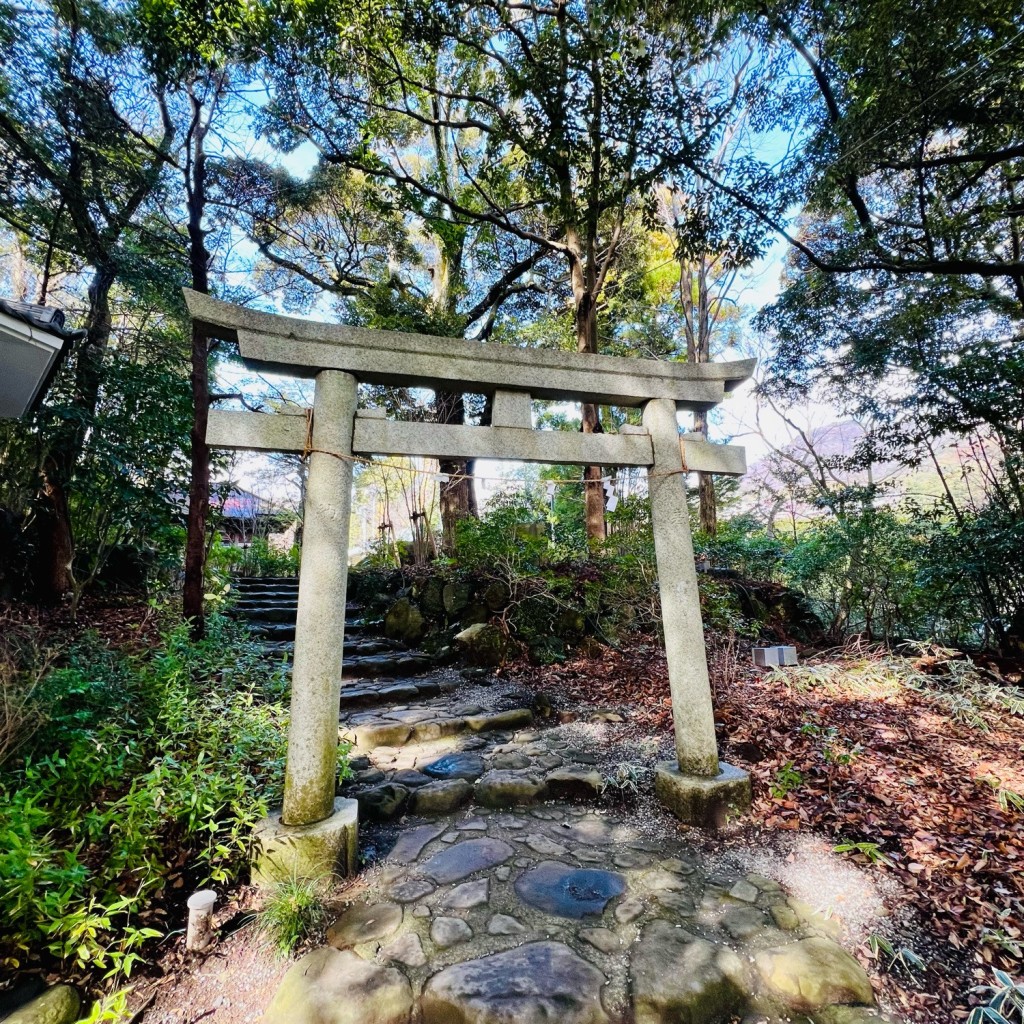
(328, 986)
(59, 1004)
(678, 977)
(364, 923)
(410, 844)
(568, 892)
(537, 983)
(466, 858)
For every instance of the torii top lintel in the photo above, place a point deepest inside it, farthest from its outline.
(302, 348)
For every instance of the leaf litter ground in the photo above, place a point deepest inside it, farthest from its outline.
(912, 767)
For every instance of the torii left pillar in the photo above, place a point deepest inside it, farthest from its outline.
(316, 832)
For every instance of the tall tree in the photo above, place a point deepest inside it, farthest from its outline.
(192, 55)
(560, 120)
(83, 142)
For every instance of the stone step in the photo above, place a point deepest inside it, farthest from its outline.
(424, 724)
(265, 613)
(429, 776)
(272, 630)
(259, 586)
(278, 629)
(286, 611)
(363, 663)
(359, 695)
(353, 631)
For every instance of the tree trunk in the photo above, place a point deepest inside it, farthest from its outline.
(56, 538)
(199, 489)
(199, 486)
(593, 492)
(56, 534)
(707, 500)
(456, 495)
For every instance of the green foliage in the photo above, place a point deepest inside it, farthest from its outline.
(125, 505)
(558, 591)
(1005, 1002)
(511, 536)
(292, 913)
(905, 957)
(626, 780)
(786, 779)
(872, 851)
(835, 748)
(743, 544)
(257, 558)
(179, 750)
(110, 1009)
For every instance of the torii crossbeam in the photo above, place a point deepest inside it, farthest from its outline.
(698, 788)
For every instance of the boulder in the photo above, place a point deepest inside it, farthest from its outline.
(404, 621)
(455, 596)
(677, 977)
(507, 789)
(59, 1004)
(510, 760)
(570, 623)
(811, 974)
(482, 644)
(496, 596)
(410, 778)
(536, 983)
(441, 797)
(380, 803)
(574, 782)
(474, 613)
(329, 986)
(380, 734)
(460, 764)
(431, 595)
(514, 718)
(364, 923)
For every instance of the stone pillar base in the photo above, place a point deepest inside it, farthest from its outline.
(707, 802)
(286, 852)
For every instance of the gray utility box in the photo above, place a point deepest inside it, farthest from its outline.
(772, 657)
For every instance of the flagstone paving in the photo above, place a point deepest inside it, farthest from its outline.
(503, 889)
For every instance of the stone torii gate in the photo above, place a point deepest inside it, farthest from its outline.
(698, 788)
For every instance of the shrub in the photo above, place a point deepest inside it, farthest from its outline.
(149, 768)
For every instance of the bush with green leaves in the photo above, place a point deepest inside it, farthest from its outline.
(148, 766)
(559, 592)
(743, 545)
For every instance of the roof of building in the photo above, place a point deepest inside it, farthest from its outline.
(46, 318)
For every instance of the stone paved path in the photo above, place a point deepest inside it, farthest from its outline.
(501, 890)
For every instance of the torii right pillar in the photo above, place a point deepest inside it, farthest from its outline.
(697, 788)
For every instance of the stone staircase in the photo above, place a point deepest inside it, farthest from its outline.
(269, 604)
(426, 743)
